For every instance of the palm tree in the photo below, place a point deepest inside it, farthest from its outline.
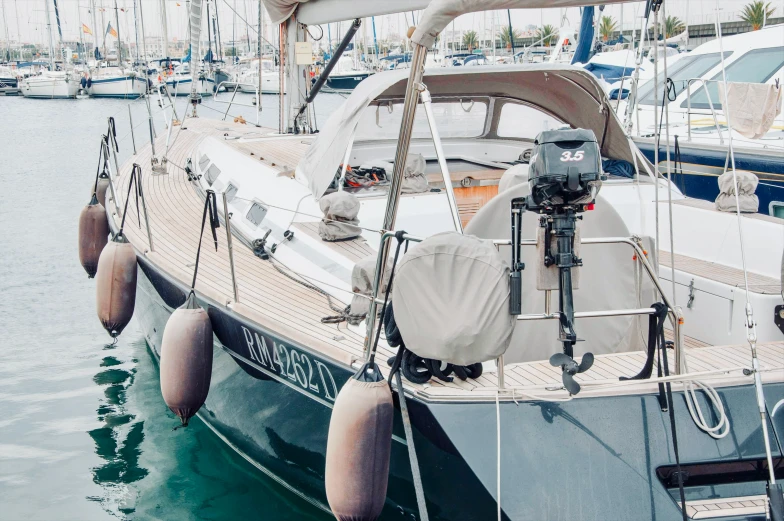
(505, 40)
(547, 34)
(673, 26)
(607, 27)
(470, 40)
(756, 13)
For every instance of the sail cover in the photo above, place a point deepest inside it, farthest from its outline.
(195, 21)
(441, 12)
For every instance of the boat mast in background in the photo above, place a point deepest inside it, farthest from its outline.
(165, 25)
(49, 31)
(117, 21)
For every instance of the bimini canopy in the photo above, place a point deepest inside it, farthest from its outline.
(313, 12)
(440, 13)
(568, 93)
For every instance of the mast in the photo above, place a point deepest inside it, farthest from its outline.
(7, 36)
(49, 31)
(81, 31)
(136, 30)
(165, 25)
(95, 30)
(119, 42)
(145, 56)
(59, 31)
(209, 36)
(511, 33)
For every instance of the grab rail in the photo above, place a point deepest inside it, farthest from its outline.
(633, 242)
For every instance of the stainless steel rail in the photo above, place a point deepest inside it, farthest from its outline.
(229, 245)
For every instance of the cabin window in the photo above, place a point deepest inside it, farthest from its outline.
(203, 162)
(212, 174)
(683, 70)
(756, 66)
(524, 122)
(256, 213)
(454, 119)
(230, 192)
(776, 209)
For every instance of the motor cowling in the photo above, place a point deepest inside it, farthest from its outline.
(359, 446)
(186, 359)
(116, 285)
(93, 235)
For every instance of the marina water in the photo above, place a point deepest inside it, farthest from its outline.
(84, 432)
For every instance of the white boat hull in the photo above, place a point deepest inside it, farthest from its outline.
(128, 87)
(49, 87)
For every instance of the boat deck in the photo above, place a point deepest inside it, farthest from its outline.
(277, 303)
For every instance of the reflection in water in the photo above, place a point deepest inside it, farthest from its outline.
(118, 441)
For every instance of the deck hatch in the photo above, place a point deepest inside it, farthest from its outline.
(212, 174)
(203, 162)
(256, 213)
(230, 192)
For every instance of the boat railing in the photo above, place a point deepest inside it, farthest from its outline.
(634, 242)
(234, 93)
(710, 104)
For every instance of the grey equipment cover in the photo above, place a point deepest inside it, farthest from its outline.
(340, 217)
(362, 277)
(747, 185)
(414, 180)
(451, 295)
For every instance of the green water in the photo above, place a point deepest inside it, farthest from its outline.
(84, 432)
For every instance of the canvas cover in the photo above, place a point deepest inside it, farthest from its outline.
(451, 296)
(747, 185)
(414, 180)
(753, 107)
(570, 94)
(362, 276)
(610, 279)
(340, 221)
(514, 176)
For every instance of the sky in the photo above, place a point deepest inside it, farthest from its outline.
(25, 20)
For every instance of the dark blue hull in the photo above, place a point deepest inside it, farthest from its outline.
(593, 458)
(345, 83)
(705, 164)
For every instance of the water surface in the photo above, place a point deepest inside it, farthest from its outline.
(84, 432)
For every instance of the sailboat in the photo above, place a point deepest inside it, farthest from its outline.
(120, 80)
(451, 208)
(52, 83)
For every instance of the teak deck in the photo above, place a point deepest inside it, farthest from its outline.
(279, 304)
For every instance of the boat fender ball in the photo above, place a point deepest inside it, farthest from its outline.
(186, 359)
(101, 187)
(116, 285)
(358, 449)
(93, 235)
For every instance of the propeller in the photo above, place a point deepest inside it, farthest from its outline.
(570, 368)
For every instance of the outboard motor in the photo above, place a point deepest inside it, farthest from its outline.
(565, 176)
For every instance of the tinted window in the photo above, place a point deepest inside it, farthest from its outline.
(755, 66)
(212, 174)
(685, 69)
(522, 121)
(203, 162)
(256, 214)
(230, 192)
